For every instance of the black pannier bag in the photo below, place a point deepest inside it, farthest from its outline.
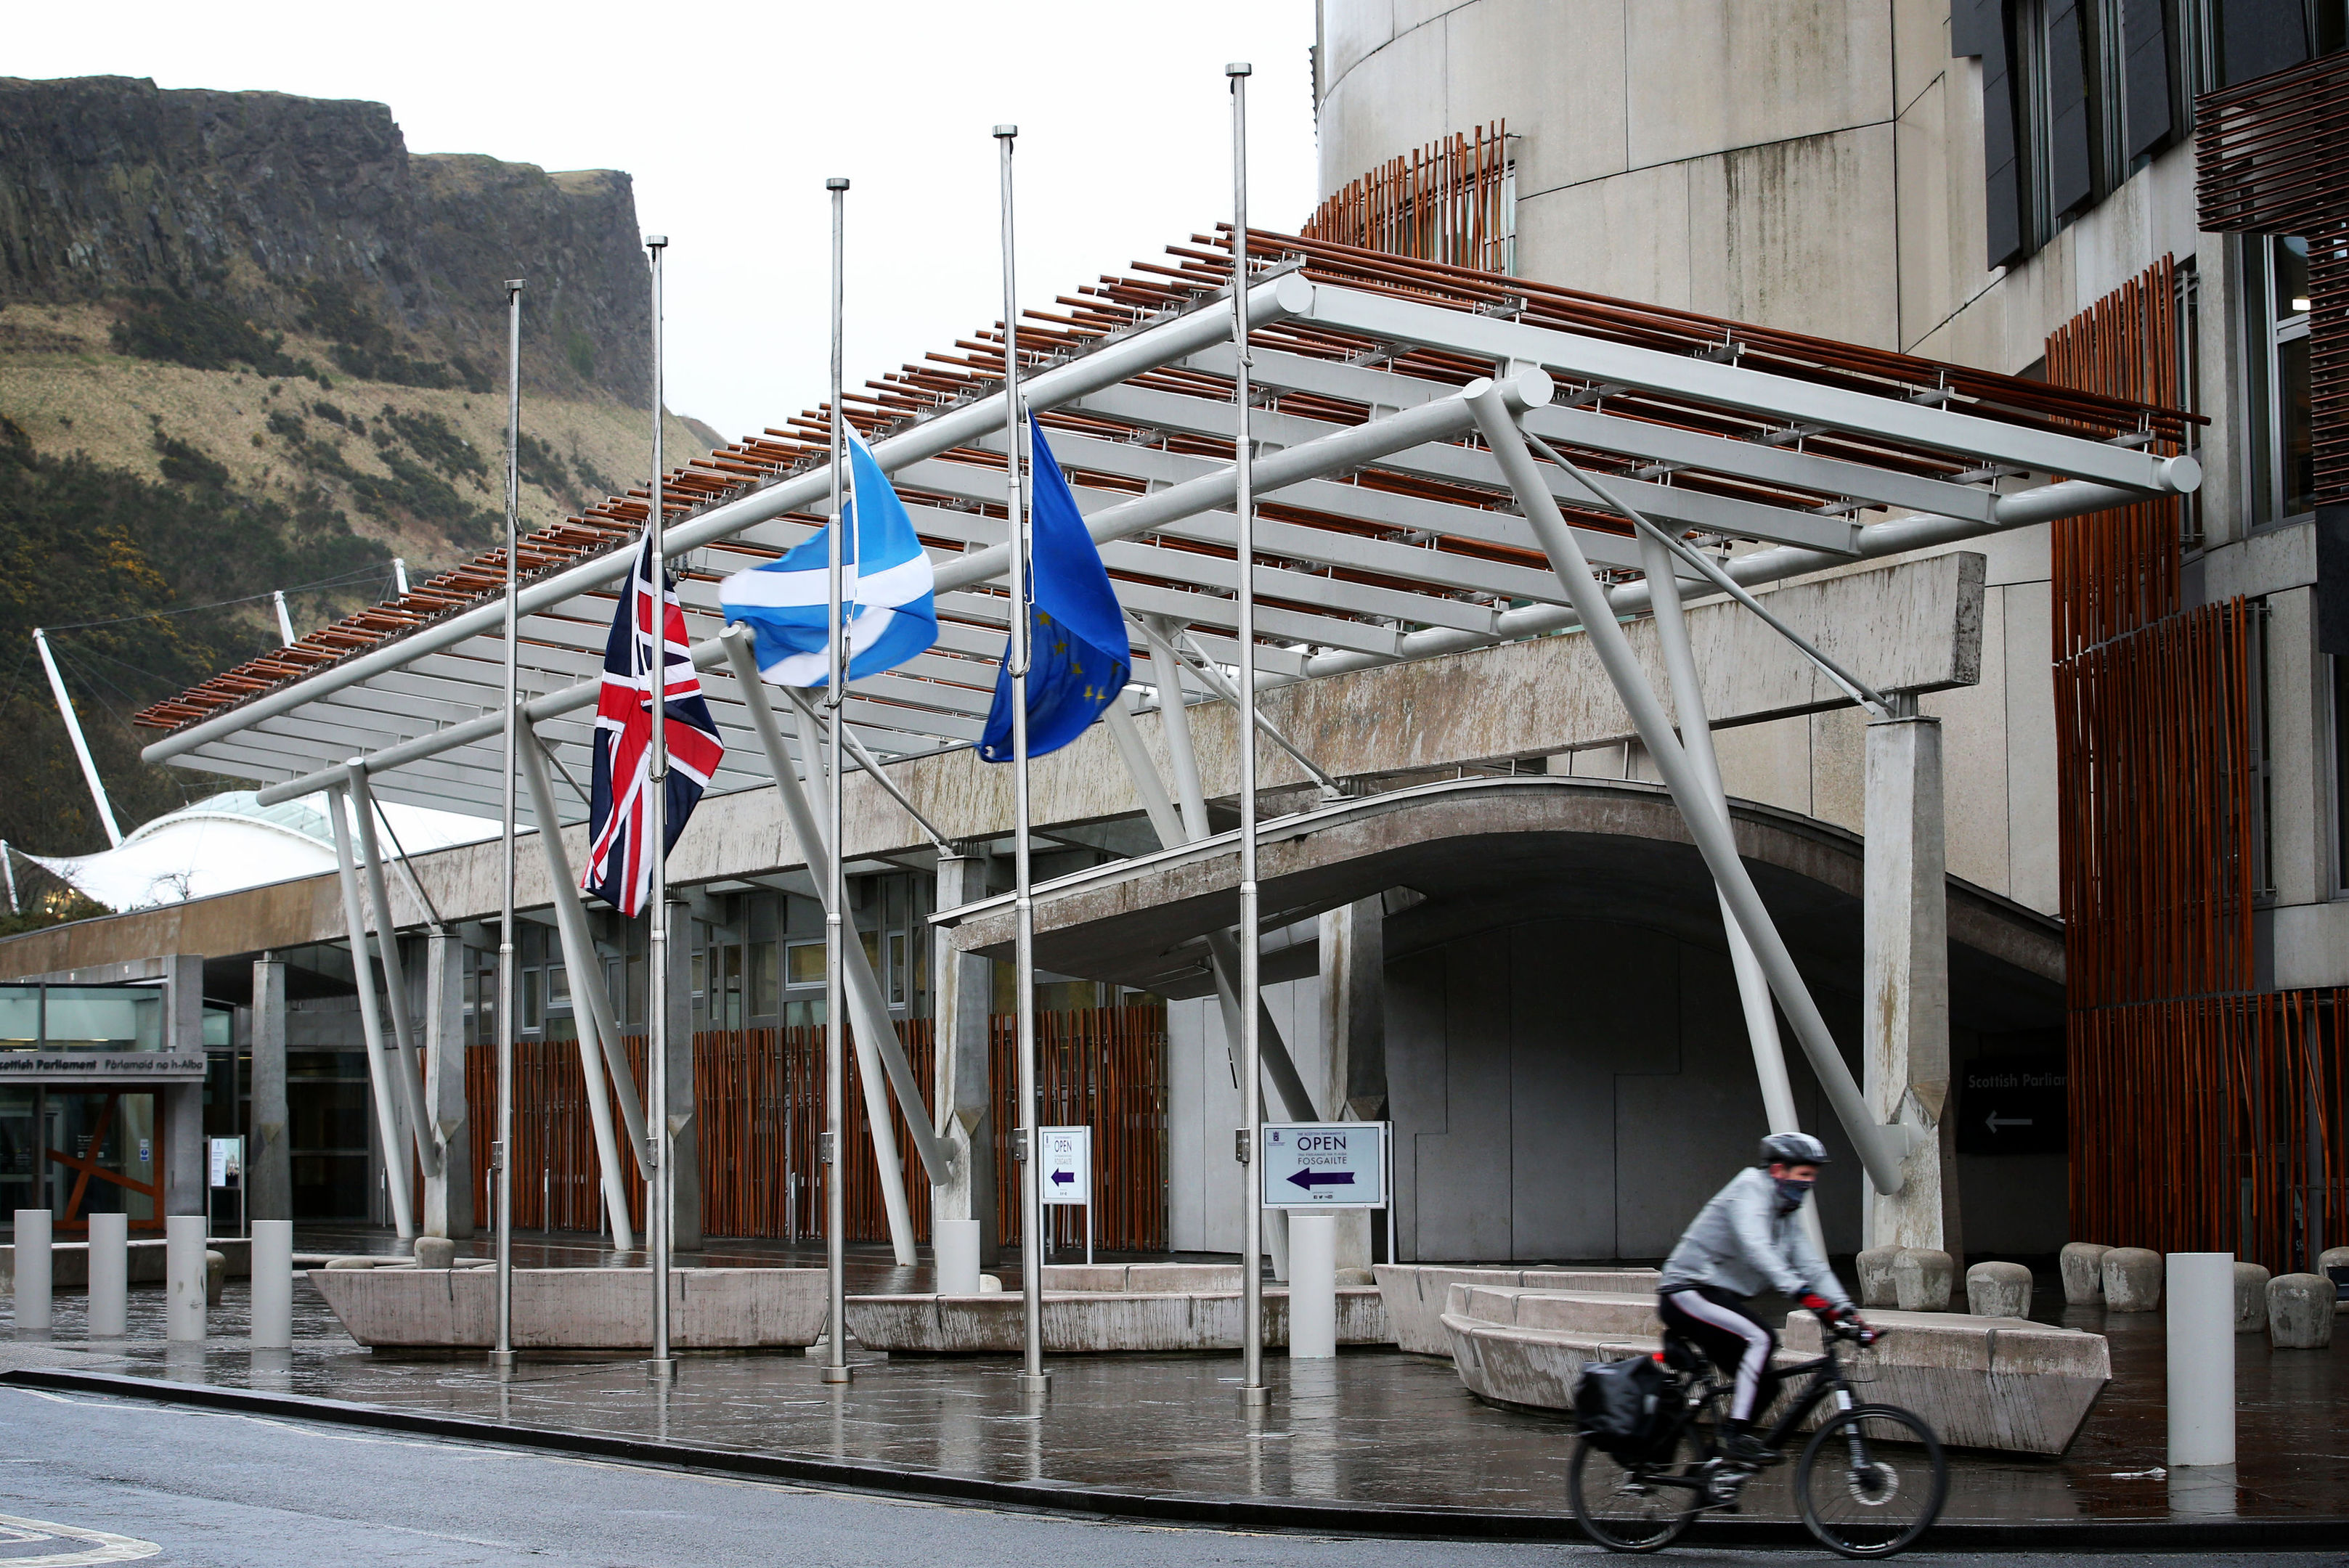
(1618, 1405)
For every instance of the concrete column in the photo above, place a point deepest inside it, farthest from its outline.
(963, 997)
(684, 1130)
(110, 1275)
(273, 1285)
(2199, 1292)
(1905, 992)
(184, 1279)
(269, 1164)
(448, 1197)
(183, 1161)
(1354, 1040)
(1313, 1286)
(34, 1272)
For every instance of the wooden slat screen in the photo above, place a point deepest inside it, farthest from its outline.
(2120, 568)
(759, 1104)
(2272, 158)
(2206, 1114)
(1102, 1068)
(1446, 201)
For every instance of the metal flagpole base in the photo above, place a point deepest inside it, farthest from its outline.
(503, 1360)
(1259, 1394)
(833, 1374)
(662, 1369)
(1035, 1383)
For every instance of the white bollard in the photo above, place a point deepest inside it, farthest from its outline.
(954, 1252)
(110, 1275)
(1312, 1287)
(184, 1277)
(2200, 1288)
(273, 1285)
(32, 1271)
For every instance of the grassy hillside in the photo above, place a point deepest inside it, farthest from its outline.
(157, 458)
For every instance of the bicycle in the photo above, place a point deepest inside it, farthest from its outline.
(1871, 1480)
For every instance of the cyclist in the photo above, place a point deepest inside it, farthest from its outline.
(1747, 1240)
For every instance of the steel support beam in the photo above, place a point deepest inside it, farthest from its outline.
(869, 1024)
(387, 1109)
(1881, 1149)
(395, 982)
(1224, 946)
(586, 967)
(1753, 985)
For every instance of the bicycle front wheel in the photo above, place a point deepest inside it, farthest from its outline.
(1624, 1508)
(1871, 1481)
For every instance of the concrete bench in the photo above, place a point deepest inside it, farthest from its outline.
(1982, 1382)
(69, 1261)
(1415, 1293)
(1149, 1279)
(575, 1309)
(1096, 1319)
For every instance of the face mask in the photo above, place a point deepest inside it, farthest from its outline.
(1791, 1193)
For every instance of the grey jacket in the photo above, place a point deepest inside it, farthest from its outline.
(1741, 1243)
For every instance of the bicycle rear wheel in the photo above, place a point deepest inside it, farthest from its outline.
(1621, 1507)
(1871, 1481)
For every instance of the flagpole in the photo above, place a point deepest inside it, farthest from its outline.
(502, 1356)
(657, 1218)
(835, 893)
(1252, 1388)
(1032, 1376)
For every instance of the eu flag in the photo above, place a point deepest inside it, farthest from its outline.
(1078, 659)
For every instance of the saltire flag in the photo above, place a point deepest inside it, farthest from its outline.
(1078, 655)
(886, 589)
(619, 870)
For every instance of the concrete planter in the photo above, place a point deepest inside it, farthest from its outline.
(69, 1261)
(2082, 1264)
(1998, 1290)
(1982, 1382)
(2132, 1277)
(576, 1309)
(1922, 1279)
(2300, 1312)
(1078, 1322)
(2250, 1299)
(1415, 1293)
(1872, 1276)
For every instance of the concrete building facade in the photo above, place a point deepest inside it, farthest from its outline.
(1497, 930)
(1972, 182)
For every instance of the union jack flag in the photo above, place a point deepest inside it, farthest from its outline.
(618, 869)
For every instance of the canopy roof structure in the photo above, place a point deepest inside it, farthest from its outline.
(1386, 530)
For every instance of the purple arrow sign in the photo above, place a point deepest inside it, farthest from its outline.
(1064, 1176)
(1308, 1179)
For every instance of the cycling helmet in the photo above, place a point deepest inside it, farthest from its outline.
(1793, 1148)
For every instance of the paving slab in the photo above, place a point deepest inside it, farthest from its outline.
(1370, 1429)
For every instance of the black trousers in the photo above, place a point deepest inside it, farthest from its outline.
(1716, 1322)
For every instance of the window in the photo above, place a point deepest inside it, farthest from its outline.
(2279, 429)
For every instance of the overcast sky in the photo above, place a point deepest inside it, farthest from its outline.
(731, 118)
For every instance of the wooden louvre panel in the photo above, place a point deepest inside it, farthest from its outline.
(2204, 1113)
(759, 1111)
(1446, 201)
(2274, 159)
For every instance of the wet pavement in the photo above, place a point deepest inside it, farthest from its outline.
(1370, 1426)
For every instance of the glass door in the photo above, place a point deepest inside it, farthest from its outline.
(104, 1157)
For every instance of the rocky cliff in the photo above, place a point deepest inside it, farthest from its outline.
(249, 342)
(301, 214)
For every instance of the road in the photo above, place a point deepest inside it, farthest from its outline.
(89, 1479)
